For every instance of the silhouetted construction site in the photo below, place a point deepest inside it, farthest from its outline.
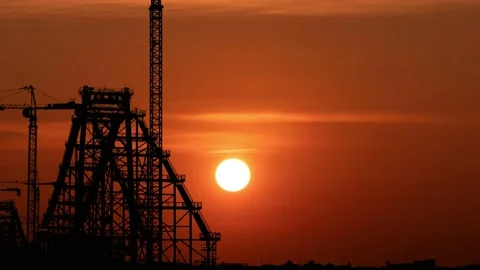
(117, 196)
(117, 199)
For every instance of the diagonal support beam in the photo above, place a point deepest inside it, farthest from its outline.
(128, 191)
(60, 183)
(207, 236)
(171, 173)
(91, 190)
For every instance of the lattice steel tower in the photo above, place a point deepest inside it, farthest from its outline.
(111, 196)
(154, 189)
(101, 205)
(171, 203)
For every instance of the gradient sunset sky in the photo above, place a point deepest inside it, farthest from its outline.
(358, 118)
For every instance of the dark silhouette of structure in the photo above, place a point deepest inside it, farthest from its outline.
(13, 243)
(101, 205)
(117, 196)
(16, 190)
(103, 193)
(33, 196)
(29, 111)
(170, 202)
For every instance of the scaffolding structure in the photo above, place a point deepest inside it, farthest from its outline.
(117, 196)
(101, 198)
(13, 242)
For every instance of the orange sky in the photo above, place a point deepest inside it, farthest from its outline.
(357, 119)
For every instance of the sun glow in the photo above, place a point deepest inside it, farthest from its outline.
(232, 175)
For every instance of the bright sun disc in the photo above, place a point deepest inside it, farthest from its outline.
(232, 175)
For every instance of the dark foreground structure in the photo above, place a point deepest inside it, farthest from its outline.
(64, 247)
(107, 206)
(117, 196)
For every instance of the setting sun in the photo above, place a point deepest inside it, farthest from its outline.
(232, 175)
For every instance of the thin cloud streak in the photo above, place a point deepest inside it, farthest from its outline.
(315, 7)
(272, 118)
(224, 142)
(234, 151)
(104, 8)
(111, 8)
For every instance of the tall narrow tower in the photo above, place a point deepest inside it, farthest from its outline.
(156, 9)
(154, 189)
(170, 209)
(33, 196)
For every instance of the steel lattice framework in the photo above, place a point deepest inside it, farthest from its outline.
(102, 197)
(117, 195)
(13, 242)
(33, 194)
(165, 216)
(155, 187)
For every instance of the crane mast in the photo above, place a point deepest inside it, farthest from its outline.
(33, 197)
(154, 188)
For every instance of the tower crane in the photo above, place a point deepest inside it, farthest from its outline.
(17, 190)
(30, 111)
(26, 183)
